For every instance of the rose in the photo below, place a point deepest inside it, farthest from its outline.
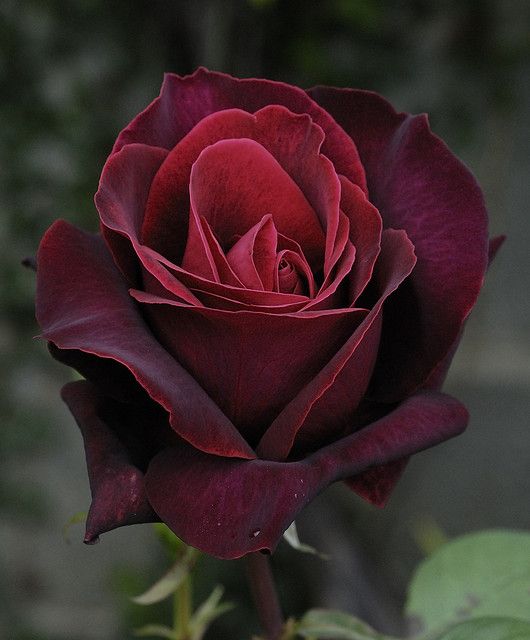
(279, 284)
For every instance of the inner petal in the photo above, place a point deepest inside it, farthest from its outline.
(293, 275)
(235, 183)
(253, 256)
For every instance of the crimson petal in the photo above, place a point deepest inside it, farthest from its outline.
(185, 101)
(253, 256)
(333, 395)
(235, 183)
(121, 200)
(250, 363)
(116, 484)
(229, 508)
(376, 484)
(83, 303)
(417, 185)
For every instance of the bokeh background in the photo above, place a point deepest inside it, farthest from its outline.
(72, 74)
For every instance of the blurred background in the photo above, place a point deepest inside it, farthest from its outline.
(72, 75)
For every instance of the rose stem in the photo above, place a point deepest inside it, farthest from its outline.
(264, 594)
(182, 609)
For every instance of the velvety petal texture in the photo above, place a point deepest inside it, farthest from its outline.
(246, 506)
(279, 284)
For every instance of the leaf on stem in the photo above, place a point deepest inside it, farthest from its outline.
(155, 630)
(335, 625)
(291, 536)
(171, 543)
(207, 612)
(171, 581)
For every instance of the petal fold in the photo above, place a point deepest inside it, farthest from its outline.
(417, 185)
(83, 303)
(229, 508)
(116, 484)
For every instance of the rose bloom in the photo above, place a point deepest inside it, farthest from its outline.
(279, 283)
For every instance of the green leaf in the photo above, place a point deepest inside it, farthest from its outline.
(156, 630)
(488, 629)
(477, 575)
(291, 536)
(172, 544)
(335, 625)
(208, 611)
(171, 581)
(77, 518)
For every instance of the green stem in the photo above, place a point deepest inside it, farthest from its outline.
(182, 609)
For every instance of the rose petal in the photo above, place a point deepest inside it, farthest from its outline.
(117, 485)
(185, 101)
(417, 185)
(198, 258)
(439, 373)
(229, 508)
(207, 289)
(110, 377)
(121, 200)
(365, 234)
(251, 364)
(333, 395)
(83, 303)
(235, 183)
(376, 484)
(253, 256)
(293, 140)
(296, 276)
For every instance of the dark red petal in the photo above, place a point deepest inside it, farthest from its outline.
(83, 303)
(330, 294)
(229, 508)
(253, 256)
(185, 101)
(439, 373)
(116, 484)
(221, 302)
(418, 185)
(377, 483)
(198, 257)
(296, 276)
(333, 395)
(235, 183)
(121, 200)
(207, 289)
(293, 140)
(365, 234)
(494, 246)
(251, 364)
(110, 377)
(225, 271)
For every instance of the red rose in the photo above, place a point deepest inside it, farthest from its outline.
(279, 284)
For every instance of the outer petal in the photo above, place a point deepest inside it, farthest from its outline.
(229, 508)
(251, 364)
(116, 483)
(184, 101)
(83, 303)
(417, 185)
